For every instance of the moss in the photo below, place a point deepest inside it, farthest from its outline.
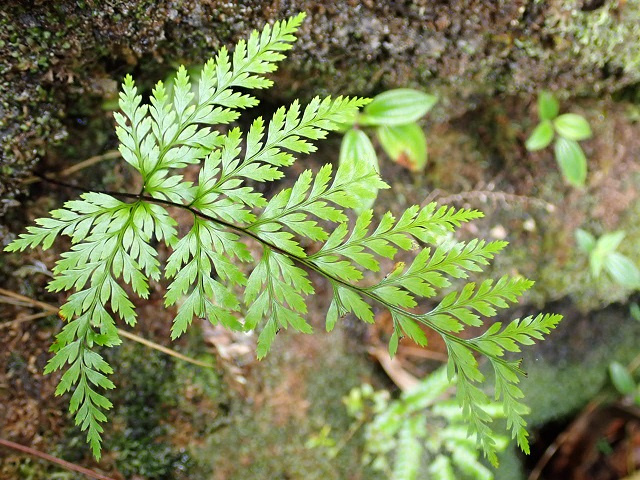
(67, 49)
(138, 429)
(564, 271)
(605, 37)
(27, 468)
(149, 409)
(298, 390)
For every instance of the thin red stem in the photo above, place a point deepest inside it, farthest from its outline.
(50, 458)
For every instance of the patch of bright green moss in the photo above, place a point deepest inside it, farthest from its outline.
(606, 37)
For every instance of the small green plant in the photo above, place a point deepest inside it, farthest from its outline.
(393, 114)
(114, 237)
(603, 255)
(570, 128)
(624, 382)
(422, 433)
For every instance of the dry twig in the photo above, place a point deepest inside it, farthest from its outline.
(49, 309)
(50, 458)
(79, 166)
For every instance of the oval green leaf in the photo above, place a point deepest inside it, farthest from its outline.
(622, 270)
(621, 378)
(572, 162)
(405, 144)
(548, 107)
(540, 137)
(596, 262)
(572, 126)
(610, 241)
(586, 242)
(397, 107)
(356, 147)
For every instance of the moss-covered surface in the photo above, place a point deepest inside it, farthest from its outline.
(155, 403)
(58, 56)
(294, 392)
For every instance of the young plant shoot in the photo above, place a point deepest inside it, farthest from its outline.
(570, 128)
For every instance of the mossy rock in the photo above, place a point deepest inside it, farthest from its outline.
(58, 56)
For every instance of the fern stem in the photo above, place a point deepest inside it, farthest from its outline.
(50, 458)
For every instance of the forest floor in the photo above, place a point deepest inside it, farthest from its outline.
(249, 419)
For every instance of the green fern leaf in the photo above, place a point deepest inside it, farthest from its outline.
(113, 238)
(495, 342)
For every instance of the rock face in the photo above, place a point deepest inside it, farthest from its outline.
(66, 55)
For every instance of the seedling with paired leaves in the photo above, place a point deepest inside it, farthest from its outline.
(570, 129)
(603, 254)
(113, 238)
(393, 114)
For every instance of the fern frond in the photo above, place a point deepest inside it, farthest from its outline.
(424, 224)
(113, 238)
(459, 307)
(203, 249)
(427, 271)
(221, 195)
(170, 136)
(110, 241)
(224, 172)
(399, 292)
(523, 332)
(495, 342)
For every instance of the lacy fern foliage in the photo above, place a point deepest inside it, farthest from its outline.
(423, 434)
(113, 238)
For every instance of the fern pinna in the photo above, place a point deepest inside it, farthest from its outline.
(112, 238)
